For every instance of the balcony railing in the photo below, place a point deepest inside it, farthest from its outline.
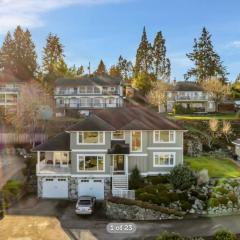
(9, 89)
(130, 194)
(66, 92)
(188, 98)
(89, 105)
(43, 167)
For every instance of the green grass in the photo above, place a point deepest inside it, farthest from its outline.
(218, 167)
(232, 116)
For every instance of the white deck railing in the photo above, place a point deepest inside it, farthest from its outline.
(130, 194)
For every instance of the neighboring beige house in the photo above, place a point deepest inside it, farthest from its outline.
(85, 94)
(97, 155)
(237, 147)
(9, 93)
(189, 95)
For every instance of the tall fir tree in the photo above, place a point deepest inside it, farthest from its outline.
(114, 71)
(144, 56)
(207, 62)
(161, 64)
(18, 55)
(53, 55)
(101, 70)
(125, 68)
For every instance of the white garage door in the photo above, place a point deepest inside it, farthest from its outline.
(91, 187)
(55, 188)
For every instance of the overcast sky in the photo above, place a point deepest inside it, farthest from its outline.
(95, 29)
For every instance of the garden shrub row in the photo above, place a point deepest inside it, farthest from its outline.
(145, 205)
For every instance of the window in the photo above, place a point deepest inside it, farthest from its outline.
(91, 138)
(164, 136)
(163, 159)
(96, 89)
(82, 89)
(92, 163)
(136, 145)
(118, 135)
(89, 89)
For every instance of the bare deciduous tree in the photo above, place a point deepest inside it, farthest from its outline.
(158, 95)
(227, 129)
(216, 89)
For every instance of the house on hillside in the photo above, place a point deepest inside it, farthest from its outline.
(87, 93)
(189, 95)
(237, 148)
(9, 93)
(97, 155)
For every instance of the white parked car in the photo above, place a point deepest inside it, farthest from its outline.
(237, 104)
(85, 205)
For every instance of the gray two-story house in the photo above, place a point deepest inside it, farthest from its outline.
(96, 156)
(85, 94)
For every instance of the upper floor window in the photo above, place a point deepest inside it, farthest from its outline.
(91, 138)
(96, 89)
(161, 159)
(136, 143)
(92, 163)
(164, 136)
(118, 135)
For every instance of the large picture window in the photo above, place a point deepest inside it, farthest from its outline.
(91, 138)
(164, 136)
(136, 145)
(163, 159)
(118, 135)
(91, 163)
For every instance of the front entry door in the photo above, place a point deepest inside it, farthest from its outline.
(118, 164)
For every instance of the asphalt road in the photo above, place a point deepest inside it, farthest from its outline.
(94, 227)
(10, 165)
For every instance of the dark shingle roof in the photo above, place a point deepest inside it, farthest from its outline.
(237, 141)
(187, 86)
(102, 80)
(6, 78)
(60, 142)
(134, 118)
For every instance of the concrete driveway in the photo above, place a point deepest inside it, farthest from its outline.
(94, 227)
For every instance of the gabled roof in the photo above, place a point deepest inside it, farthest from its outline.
(134, 118)
(60, 142)
(187, 86)
(236, 142)
(88, 80)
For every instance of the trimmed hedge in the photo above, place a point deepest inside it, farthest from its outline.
(146, 205)
(224, 235)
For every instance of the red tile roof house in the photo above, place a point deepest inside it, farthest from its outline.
(96, 156)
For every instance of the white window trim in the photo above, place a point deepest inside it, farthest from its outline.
(160, 153)
(89, 155)
(174, 136)
(131, 141)
(78, 143)
(118, 138)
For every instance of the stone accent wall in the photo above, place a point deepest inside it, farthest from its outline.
(134, 213)
(107, 187)
(73, 188)
(39, 186)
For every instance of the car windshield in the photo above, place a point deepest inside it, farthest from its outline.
(84, 202)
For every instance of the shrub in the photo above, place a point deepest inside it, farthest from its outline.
(182, 177)
(234, 184)
(224, 235)
(233, 197)
(183, 196)
(161, 179)
(185, 205)
(173, 197)
(169, 236)
(202, 177)
(179, 109)
(213, 202)
(147, 197)
(222, 190)
(223, 200)
(135, 180)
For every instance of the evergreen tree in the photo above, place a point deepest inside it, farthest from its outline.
(125, 68)
(114, 71)
(53, 53)
(101, 70)
(237, 78)
(207, 62)
(18, 54)
(161, 64)
(143, 56)
(6, 53)
(80, 71)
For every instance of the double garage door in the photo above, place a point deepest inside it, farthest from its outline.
(55, 188)
(91, 187)
(58, 188)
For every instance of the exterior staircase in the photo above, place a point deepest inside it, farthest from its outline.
(120, 182)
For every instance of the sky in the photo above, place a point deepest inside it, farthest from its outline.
(91, 30)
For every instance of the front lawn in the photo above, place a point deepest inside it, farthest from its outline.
(229, 116)
(218, 167)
